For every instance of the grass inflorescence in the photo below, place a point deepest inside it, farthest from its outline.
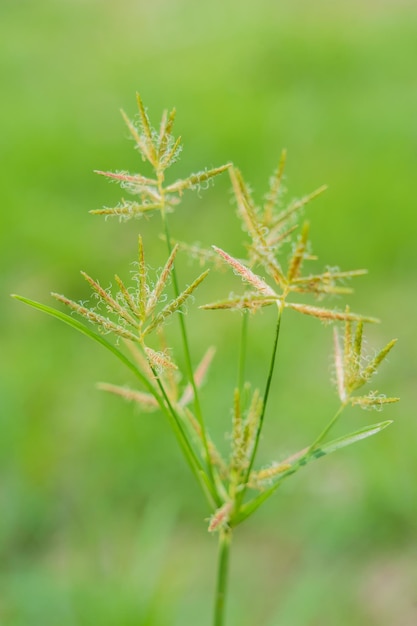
(130, 323)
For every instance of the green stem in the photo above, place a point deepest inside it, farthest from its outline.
(189, 367)
(325, 432)
(188, 451)
(261, 417)
(242, 353)
(225, 538)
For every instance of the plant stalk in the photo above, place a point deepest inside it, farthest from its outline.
(225, 538)
(261, 417)
(189, 366)
(329, 426)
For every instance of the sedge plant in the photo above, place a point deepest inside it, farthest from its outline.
(129, 322)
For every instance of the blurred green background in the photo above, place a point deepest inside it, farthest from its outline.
(100, 522)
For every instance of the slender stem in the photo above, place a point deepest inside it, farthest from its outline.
(303, 458)
(189, 453)
(225, 537)
(264, 404)
(242, 353)
(189, 366)
(329, 426)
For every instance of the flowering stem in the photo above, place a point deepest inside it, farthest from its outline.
(225, 538)
(329, 426)
(189, 366)
(242, 353)
(189, 453)
(264, 403)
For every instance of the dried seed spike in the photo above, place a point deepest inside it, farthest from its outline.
(328, 314)
(147, 131)
(112, 305)
(176, 304)
(338, 361)
(194, 180)
(299, 252)
(161, 282)
(373, 365)
(141, 280)
(274, 189)
(146, 400)
(247, 275)
(95, 318)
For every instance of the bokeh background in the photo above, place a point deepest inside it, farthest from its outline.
(100, 522)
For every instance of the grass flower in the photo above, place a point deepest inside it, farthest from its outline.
(134, 316)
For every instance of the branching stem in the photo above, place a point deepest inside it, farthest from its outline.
(327, 429)
(264, 404)
(187, 354)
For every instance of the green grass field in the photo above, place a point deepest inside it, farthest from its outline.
(100, 522)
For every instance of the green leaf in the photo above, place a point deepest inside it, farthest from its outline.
(67, 319)
(337, 444)
(172, 416)
(347, 440)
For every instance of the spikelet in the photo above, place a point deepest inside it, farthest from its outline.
(350, 375)
(126, 210)
(275, 188)
(102, 322)
(299, 254)
(220, 519)
(194, 181)
(339, 365)
(250, 302)
(199, 377)
(328, 314)
(161, 283)
(295, 207)
(145, 400)
(372, 401)
(246, 274)
(175, 305)
(112, 305)
(158, 360)
(370, 370)
(263, 477)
